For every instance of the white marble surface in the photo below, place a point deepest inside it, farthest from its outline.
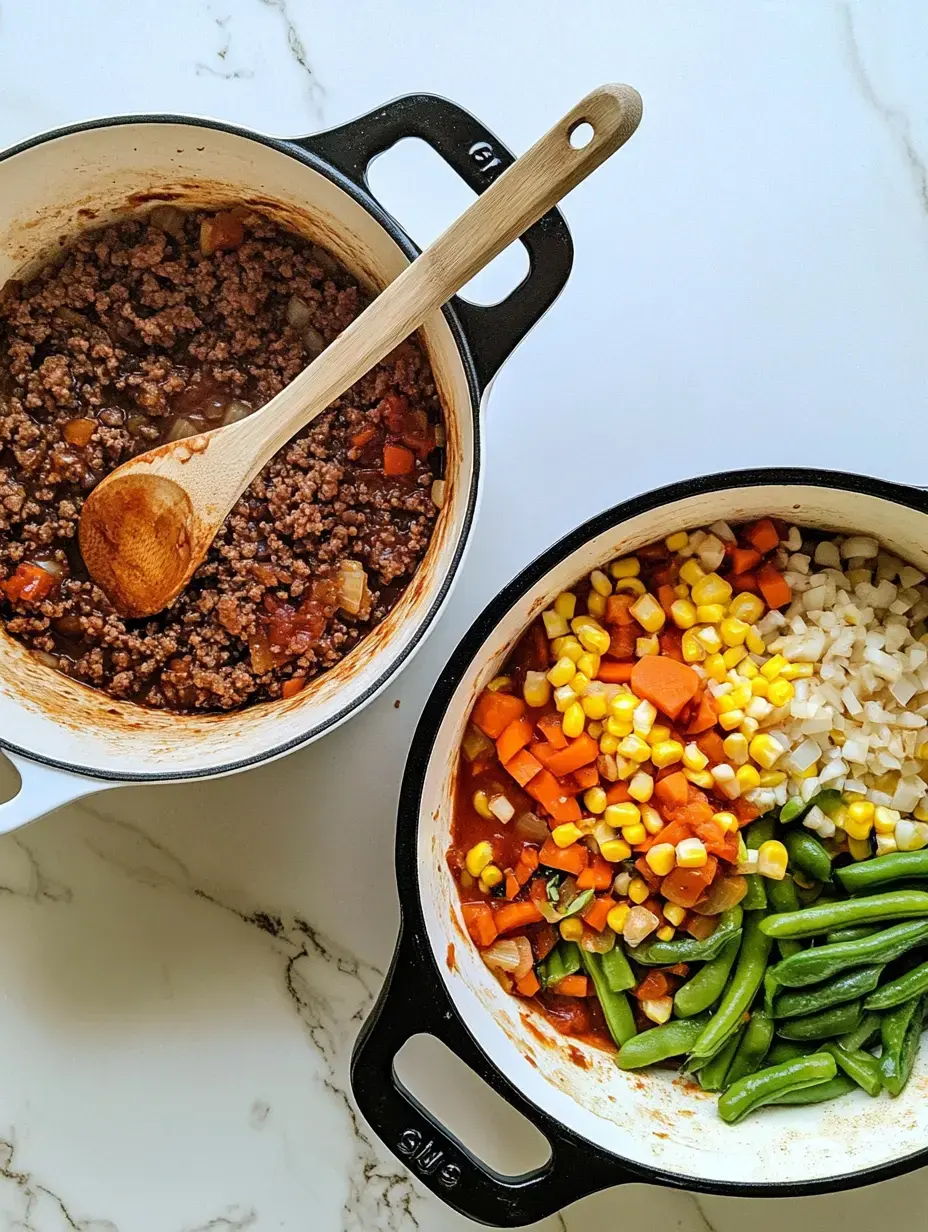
(183, 970)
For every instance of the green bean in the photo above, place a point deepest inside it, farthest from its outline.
(863, 1036)
(856, 932)
(912, 984)
(708, 984)
(788, 948)
(617, 1012)
(824, 1025)
(900, 1031)
(744, 983)
(847, 986)
(760, 831)
(713, 1074)
(898, 904)
(688, 949)
(819, 1094)
(756, 897)
(788, 1050)
(863, 1068)
(657, 1044)
(782, 896)
(769, 1084)
(807, 853)
(616, 969)
(563, 960)
(792, 809)
(883, 870)
(753, 1048)
(755, 835)
(823, 961)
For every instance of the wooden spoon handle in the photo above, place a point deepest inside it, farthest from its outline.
(521, 195)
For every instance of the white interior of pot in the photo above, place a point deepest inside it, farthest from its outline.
(63, 186)
(656, 1118)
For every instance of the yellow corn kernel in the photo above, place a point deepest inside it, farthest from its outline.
(691, 853)
(741, 695)
(727, 822)
(746, 607)
(773, 667)
(708, 638)
(694, 758)
(591, 635)
(621, 815)
(594, 729)
(677, 542)
(657, 733)
(647, 646)
(772, 778)
(482, 807)
(750, 670)
(638, 890)
(733, 656)
(780, 691)
(580, 682)
(859, 848)
(634, 748)
(666, 753)
(596, 604)
(693, 650)
(736, 748)
(798, 671)
(589, 664)
(555, 624)
(765, 750)
(566, 605)
(681, 590)
(573, 721)
(630, 586)
(562, 672)
(734, 631)
(724, 703)
(615, 850)
(857, 829)
(664, 933)
(572, 929)
(477, 859)
(661, 858)
(594, 705)
(651, 819)
(499, 683)
(634, 835)
(674, 914)
(771, 860)
(760, 686)
(884, 819)
(922, 751)
(566, 834)
(710, 613)
(600, 582)
(747, 778)
(754, 642)
(608, 743)
(920, 812)
(683, 613)
(641, 787)
(710, 589)
(837, 738)
(595, 799)
(715, 668)
(618, 727)
(700, 778)
(536, 690)
(623, 706)
(617, 917)
(649, 613)
(628, 566)
(692, 572)
(570, 647)
(490, 877)
(749, 727)
(564, 697)
(731, 719)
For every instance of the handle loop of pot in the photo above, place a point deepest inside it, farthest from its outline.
(479, 158)
(42, 789)
(414, 1002)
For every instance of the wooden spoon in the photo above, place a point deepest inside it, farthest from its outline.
(147, 526)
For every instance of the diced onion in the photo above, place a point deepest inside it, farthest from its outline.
(438, 493)
(54, 567)
(506, 955)
(352, 582)
(168, 218)
(181, 429)
(597, 943)
(235, 412)
(298, 312)
(501, 808)
(725, 893)
(475, 743)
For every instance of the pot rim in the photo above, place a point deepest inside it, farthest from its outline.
(366, 199)
(412, 924)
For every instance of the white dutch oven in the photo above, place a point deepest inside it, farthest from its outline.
(604, 1126)
(67, 740)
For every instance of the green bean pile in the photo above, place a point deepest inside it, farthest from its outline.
(811, 988)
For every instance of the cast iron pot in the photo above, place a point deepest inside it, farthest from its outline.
(67, 740)
(604, 1126)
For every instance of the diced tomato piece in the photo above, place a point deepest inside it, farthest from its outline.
(291, 687)
(685, 886)
(572, 859)
(29, 584)
(671, 644)
(617, 609)
(654, 985)
(623, 639)
(480, 924)
(596, 912)
(700, 927)
(597, 875)
(223, 230)
(398, 460)
(572, 986)
(512, 886)
(79, 431)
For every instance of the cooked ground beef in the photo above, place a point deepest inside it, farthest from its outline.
(160, 328)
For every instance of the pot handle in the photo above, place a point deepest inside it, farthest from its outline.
(413, 1002)
(43, 789)
(479, 158)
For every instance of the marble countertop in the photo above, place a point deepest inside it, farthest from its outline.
(184, 969)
